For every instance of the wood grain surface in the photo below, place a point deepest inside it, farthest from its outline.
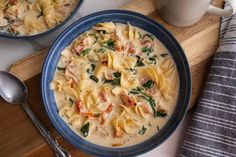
(18, 136)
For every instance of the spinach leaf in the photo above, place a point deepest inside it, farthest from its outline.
(85, 52)
(139, 91)
(147, 50)
(153, 59)
(71, 101)
(149, 36)
(134, 71)
(94, 78)
(102, 31)
(110, 44)
(89, 71)
(116, 80)
(117, 74)
(139, 62)
(164, 54)
(61, 69)
(85, 129)
(161, 113)
(140, 35)
(102, 50)
(149, 84)
(142, 131)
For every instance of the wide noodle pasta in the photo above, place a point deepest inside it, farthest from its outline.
(116, 85)
(30, 17)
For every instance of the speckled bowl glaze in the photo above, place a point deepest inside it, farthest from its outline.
(8, 35)
(144, 23)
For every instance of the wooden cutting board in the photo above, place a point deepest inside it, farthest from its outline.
(18, 137)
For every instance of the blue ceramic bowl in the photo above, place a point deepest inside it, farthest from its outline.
(142, 22)
(8, 35)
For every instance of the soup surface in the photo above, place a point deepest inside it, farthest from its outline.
(116, 85)
(30, 17)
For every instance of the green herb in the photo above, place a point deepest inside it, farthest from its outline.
(41, 14)
(150, 124)
(161, 113)
(61, 69)
(136, 90)
(153, 59)
(142, 131)
(147, 50)
(94, 78)
(139, 62)
(102, 31)
(110, 44)
(149, 36)
(149, 84)
(134, 71)
(102, 50)
(85, 52)
(139, 91)
(116, 74)
(116, 80)
(85, 129)
(164, 54)
(140, 35)
(95, 37)
(89, 71)
(71, 101)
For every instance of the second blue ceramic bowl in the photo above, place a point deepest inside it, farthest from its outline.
(8, 35)
(144, 23)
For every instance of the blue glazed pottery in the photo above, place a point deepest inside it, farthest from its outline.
(8, 35)
(144, 23)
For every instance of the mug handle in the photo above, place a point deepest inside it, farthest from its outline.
(223, 12)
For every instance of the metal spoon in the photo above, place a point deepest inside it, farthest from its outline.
(14, 91)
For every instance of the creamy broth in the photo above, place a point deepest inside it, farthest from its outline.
(30, 17)
(116, 85)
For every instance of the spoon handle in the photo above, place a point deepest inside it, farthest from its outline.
(60, 152)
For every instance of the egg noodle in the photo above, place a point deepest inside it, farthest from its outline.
(30, 17)
(116, 85)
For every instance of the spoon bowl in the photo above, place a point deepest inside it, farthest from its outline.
(14, 91)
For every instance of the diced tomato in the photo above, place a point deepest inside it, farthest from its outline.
(146, 108)
(131, 49)
(104, 113)
(79, 105)
(78, 49)
(128, 100)
(109, 108)
(143, 80)
(119, 132)
(117, 144)
(103, 96)
(13, 2)
(88, 114)
(118, 48)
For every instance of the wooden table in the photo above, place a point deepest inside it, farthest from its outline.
(18, 137)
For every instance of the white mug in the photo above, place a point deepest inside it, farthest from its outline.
(187, 12)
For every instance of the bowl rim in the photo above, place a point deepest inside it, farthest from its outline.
(9, 36)
(178, 47)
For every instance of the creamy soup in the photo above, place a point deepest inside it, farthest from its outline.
(116, 85)
(30, 17)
